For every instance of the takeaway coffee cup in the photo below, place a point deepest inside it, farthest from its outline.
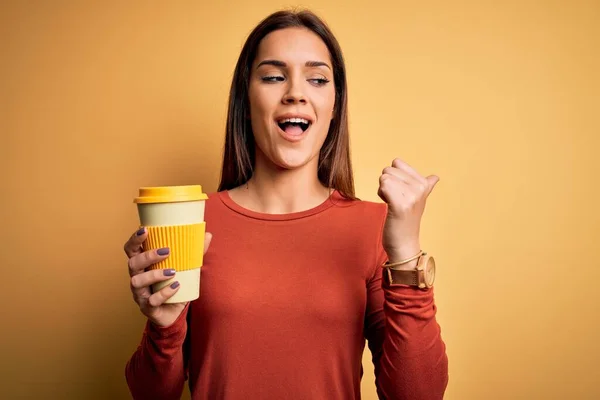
(174, 217)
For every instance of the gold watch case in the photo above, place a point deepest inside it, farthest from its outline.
(426, 271)
(422, 276)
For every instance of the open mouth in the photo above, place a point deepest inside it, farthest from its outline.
(294, 126)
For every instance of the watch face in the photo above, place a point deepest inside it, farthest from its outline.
(430, 271)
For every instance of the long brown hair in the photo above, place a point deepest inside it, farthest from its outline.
(335, 169)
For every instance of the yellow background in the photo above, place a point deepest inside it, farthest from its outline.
(500, 99)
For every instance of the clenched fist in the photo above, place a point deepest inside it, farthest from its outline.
(405, 192)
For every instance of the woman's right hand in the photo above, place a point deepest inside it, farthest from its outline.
(151, 304)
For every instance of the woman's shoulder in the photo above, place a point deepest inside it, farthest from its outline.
(361, 220)
(370, 209)
(214, 199)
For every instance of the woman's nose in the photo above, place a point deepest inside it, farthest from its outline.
(294, 95)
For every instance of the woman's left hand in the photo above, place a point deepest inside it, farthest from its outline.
(405, 192)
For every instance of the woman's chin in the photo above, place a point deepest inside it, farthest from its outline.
(292, 160)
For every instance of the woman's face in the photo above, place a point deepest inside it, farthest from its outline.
(292, 97)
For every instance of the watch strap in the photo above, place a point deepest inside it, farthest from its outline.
(402, 277)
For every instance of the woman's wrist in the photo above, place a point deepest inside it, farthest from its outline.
(404, 253)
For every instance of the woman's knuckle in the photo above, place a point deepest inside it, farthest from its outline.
(131, 264)
(154, 300)
(135, 281)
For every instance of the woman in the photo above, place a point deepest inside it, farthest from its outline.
(296, 276)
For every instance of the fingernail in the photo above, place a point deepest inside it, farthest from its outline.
(169, 272)
(141, 231)
(163, 252)
(174, 285)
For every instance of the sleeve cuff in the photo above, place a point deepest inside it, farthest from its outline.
(401, 296)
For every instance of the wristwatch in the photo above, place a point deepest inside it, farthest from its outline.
(422, 276)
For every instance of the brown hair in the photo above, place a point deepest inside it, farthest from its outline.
(335, 169)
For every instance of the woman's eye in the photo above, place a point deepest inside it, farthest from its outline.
(319, 81)
(272, 78)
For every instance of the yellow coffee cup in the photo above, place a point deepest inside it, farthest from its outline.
(174, 217)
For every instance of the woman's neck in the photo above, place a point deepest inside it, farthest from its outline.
(272, 190)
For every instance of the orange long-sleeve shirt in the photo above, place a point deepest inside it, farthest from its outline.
(286, 303)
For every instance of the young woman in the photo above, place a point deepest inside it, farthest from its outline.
(299, 273)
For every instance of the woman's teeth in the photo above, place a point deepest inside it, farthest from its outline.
(294, 120)
(293, 126)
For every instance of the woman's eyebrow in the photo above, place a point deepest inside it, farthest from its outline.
(317, 64)
(278, 63)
